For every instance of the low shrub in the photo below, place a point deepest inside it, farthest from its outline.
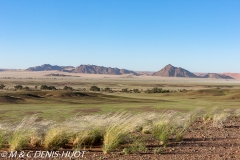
(94, 88)
(107, 89)
(26, 88)
(157, 90)
(136, 91)
(125, 90)
(45, 87)
(18, 87)
(2, 86)
(68, 88)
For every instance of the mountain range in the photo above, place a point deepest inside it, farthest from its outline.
(93, 69)
(48, 67)
(167, 71)
(218, 76)
(88, 69)
(171, 71)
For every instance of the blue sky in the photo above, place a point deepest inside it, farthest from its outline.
(143, 35)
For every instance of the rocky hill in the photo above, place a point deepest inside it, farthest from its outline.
(218, 76)
(92, 69)
(88, 69)
(48, 67)
(171, 71)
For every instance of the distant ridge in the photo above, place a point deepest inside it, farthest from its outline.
(93, 69)
(88, 69)
(171, 71)
(218, 76)
(145, 73)
(48, 67)
(167, 71)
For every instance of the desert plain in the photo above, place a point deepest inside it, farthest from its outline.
(146, 117)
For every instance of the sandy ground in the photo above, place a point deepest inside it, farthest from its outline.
(42, 74)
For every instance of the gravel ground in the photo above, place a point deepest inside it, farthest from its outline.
(202, 141)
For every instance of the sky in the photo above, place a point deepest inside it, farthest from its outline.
(140, 35)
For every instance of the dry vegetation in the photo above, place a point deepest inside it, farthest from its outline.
(158, 117)
(120, 132)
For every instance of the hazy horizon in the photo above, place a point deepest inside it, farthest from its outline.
(119, 68)
(200, 36)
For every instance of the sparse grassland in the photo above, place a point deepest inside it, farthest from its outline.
(128, 115)
(17, 104)
(114, 132)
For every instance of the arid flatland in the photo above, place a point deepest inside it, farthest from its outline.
(151, 104)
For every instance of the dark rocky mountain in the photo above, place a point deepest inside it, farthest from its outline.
(48, 67)
(88, 69)
(171, 71)
(167, 71)
(92, 69)
(218, 76)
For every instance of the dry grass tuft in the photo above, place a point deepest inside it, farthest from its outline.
(55, 138)
(110, 130)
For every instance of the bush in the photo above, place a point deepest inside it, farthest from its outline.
(45, 87)
(125, 90)
(68, 88)
(157, 90)
(2, 86)
(18, 87)
(94, 88)
(107, 89)
(182, 90)
(136, 91)
(26, 88)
